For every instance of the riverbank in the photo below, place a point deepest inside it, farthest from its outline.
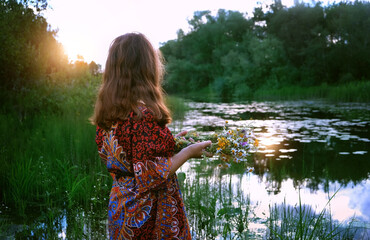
(348, 92)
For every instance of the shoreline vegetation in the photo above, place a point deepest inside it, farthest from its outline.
(347, 92)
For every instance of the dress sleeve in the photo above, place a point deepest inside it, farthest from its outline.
(152, 150)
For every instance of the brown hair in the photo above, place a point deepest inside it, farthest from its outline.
(133, 73)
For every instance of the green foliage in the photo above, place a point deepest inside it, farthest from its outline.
(349, 32)
(28, 48)
(194, 60)
(233, 56)
(33, 65)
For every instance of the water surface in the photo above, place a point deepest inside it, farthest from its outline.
(309, 150)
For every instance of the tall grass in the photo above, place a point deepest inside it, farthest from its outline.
(215, 210)
(54, 161)
(303, 223)
(51, 174)
(350, 92)
(177, 106)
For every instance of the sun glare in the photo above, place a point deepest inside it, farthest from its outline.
(76, 48)
(270, 140)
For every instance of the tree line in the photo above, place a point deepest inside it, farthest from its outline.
(229, 56)
(33, 64)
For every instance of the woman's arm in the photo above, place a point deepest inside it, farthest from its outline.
(196, 150)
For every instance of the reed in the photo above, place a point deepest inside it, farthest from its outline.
(177, 106)
(303, 223)
(349, 92)
(223, 213)
(58, 162)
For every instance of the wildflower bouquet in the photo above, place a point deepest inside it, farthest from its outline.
(228, 145)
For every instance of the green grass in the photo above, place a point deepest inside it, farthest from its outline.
(53, 160)
(350, 92)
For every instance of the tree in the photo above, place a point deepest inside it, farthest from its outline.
(39, 5)
(94, 68)
(304, 45)
(348, 28)
(28, 48)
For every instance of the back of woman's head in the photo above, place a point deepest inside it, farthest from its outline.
(133, 74)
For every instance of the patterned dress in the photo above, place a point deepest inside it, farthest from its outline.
(145, 201)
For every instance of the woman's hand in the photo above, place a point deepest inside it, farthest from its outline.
(195, 150)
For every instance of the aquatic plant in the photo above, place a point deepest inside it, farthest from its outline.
(223, 214)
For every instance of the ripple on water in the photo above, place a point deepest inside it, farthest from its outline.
(344, 153)
(287, 150)
(360, 152)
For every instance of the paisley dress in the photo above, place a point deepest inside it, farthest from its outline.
(145, 201)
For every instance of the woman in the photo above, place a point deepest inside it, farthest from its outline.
(137, 147)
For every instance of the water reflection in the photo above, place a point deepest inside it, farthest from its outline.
(75, 223)
(316, 147)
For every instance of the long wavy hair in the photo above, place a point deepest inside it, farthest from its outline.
(133, 75)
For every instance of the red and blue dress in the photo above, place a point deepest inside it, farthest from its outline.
(145, 201)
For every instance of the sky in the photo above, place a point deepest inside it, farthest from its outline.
(87, 27)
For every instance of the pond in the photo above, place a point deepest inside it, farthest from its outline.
(311, 171)
(309, 151)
